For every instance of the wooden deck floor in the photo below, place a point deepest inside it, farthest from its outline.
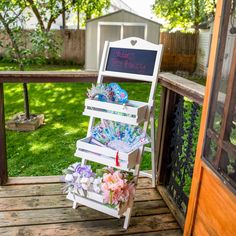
(36, 206)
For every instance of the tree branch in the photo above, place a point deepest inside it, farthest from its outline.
(54, 17)
(11, 36)
(37, 14)
(13, 19)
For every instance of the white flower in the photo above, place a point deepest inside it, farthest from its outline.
(91, 179)
(75, 174)
(69, 178)
(85, 186)
(78, 180)
(84, 180)
(97, 185)
(85, 183)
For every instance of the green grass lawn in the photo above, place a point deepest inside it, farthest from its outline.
(50, 149)
(6, 66)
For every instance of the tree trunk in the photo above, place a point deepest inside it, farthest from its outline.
(78, 19)
(26, 101)
(26, 97)
(197, 16)
(63, 15)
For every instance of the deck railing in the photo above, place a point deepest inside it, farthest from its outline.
(177, 132)
(177, 135)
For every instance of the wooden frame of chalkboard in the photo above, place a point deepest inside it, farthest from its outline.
(131, 58)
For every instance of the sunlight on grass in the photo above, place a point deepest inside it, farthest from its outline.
(57, 126)
(50, 149)
(38, 147)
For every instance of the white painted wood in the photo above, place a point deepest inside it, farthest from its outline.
(154, 167)
(132, 107)
(85, 145)
(110, 116)
(147, 149)
(122, 31)
(133, 113)
(121, 23)
(74, 206)
(145, 78)
(127, 217)
(94, 204)
(106, 160)
(145, 174)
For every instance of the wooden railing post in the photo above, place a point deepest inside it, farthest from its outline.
(3, 154)
(168, 101)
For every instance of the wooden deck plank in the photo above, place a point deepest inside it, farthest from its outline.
(34, 180)
(56, 189)
(62, 215)
(31, 190)
(37, 206)
(44, 202)
(113, 226)
(33, 202)
(29, 180)
(174, 232)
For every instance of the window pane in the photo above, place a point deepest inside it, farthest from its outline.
(227, 167)
(220, 141)
(211, 152)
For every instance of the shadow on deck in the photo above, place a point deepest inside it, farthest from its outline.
(32, 206)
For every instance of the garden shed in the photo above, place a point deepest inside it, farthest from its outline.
(204, 45)
(114, 26)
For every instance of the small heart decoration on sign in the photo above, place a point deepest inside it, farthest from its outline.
(133, 42)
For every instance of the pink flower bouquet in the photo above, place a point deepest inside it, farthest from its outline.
(118, 189)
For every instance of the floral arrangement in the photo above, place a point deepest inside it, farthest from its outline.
(109, 93)
(79, 179)
(116, 187)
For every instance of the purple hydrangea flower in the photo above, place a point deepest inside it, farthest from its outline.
(84, 171)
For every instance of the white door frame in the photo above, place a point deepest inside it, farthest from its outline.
(121, 24)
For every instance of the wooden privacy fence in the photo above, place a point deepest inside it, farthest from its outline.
(180, 51)
(71, 44)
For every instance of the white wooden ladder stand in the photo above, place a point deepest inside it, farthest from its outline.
(133, 112)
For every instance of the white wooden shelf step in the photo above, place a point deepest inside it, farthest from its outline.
(95, 201)
(133, 112)
(105, 155)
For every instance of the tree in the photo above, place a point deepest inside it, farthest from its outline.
(93, 8)
(10, 13)
(184, 13)
(47, 11)
(12, 20)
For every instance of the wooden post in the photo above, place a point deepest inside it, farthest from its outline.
(3, 154)
(221, 15)
(168, 101)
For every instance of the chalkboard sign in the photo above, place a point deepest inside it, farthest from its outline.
(133, 61)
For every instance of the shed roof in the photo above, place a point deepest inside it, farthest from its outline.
(122, 10)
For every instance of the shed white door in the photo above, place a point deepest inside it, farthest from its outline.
(113, 31)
